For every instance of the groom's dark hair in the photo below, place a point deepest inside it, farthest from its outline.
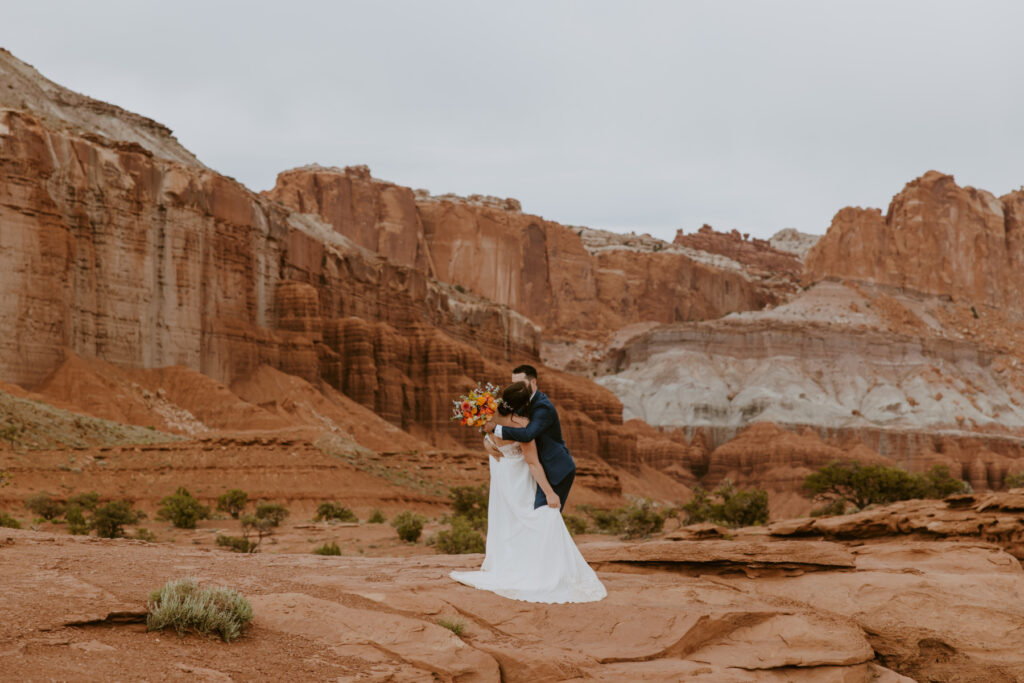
(514, 397)
(528, 370)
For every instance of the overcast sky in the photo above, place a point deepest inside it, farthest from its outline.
(632, 115)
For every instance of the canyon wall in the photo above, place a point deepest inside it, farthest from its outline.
(560, 277)
(936, 237)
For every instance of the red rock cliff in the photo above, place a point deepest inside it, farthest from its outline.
(937, 238)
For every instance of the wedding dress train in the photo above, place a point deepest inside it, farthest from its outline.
(530, 554)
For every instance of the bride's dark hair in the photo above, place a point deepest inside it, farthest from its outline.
(514, 397)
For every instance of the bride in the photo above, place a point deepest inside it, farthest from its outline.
(530, 554)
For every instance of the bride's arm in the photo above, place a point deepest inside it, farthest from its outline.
(530, 453)
(491, 448)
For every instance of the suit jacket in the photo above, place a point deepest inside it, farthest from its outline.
(546, 430)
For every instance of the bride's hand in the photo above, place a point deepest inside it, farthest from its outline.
(554, 501)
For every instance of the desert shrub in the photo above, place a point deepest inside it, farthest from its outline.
(232, 502)
(109, 520)
(182, 509)
(470, 502)
(409, 525)
(273, 513)
(45, 506)
(836, 506)
(460, 539)
(238, 544)
(78, 525)
(145, 535)
(377, 517)
(643, 518)
(87, 501)
(727, 505)
(939, 483)
(1015, 480)
(575, 525)
(865, 485)
(605, 521)
(9, 522)
(184, 606)
(327, 549)
(456, 627)
(331, 511)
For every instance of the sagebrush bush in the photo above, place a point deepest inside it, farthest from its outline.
(109, 520)
(334, 511)
(456, 627)
(238, 544)
(184, 606)
(377, 517)
(470, 502)
(45, 505)
(575, 525)
(145, 535)
(1015, 480)
(727, 505)
(9, 522)
(409, 525)
(462, 538)
(232, 502)
(327, 549)
(182, 509)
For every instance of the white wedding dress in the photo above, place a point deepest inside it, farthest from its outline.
(530, 554)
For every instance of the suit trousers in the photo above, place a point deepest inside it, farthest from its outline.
(561, 488)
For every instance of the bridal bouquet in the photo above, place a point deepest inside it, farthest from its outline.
(477, 407)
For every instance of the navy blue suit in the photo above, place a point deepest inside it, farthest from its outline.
(546, 431)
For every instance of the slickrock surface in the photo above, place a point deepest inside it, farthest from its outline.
(833, 614)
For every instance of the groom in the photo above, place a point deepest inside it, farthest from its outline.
(546, 430)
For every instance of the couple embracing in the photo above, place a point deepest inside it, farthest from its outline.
(530, 554)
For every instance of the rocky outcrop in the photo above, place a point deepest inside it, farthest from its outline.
(738, 611)
(757, 255)
(936, 237)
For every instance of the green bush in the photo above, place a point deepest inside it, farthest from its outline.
(327, 549)
(109, 520)
(9, 522)
(78, 525)
(1015, 480)
(837, 506)
(460, 539)
(605, 521)
(470, 502)
(727, 505)
(409, 525)
(232, 502)
(45, 506)
(377, 517)
(575, 525)
(182, 509)
(145, 535)
(272, 513)
(456, 627)
(184, 606)
(865, 485)
(643, 518)
(87, 501)
(238, 544)
(333, 511)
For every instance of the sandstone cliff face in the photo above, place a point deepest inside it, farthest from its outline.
(571, 281)
(936, 237)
